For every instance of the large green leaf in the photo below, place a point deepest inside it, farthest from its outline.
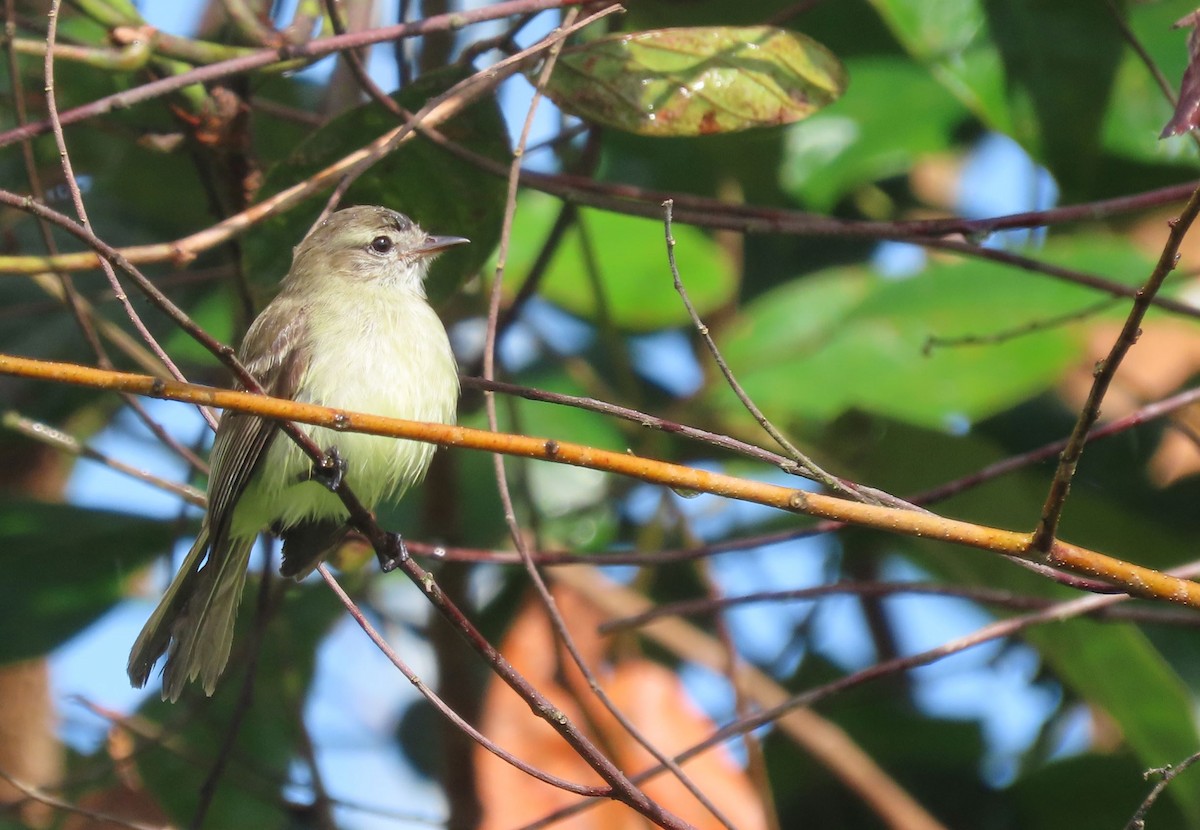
(63, 567)
(443, 193)
(696, 81)
(1060, 58)
(850, 339)
(870, 133)
(951, 38)
(1116, 669)
(624, 258)
(1040, 70)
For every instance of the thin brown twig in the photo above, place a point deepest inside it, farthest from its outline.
(647, 420)
(806, 464)
(796, 704)
(701, 212)
(1047, 526)
(709, 212)
(1164, 86)
(63, 281)
(1001, 629)
(716, 214)
(822, 739)
(551, 558)
(489, 369)
(62, 286)
(1165, 775)
(1144, 415)
(984, 596)
(440, 705)
(1069, 275)
(354, 61)
(282, 54)
(1106, 370)
(60, 440)
(36, 794)
(60, 141)
(934, 341)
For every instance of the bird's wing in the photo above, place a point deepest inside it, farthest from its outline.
(275, 351)
(194, 620)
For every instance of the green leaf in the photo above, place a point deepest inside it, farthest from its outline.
(849, 339)
(869, 134)
(441, 192)
(1041, 71)
(951, 38)
(625, 259)
(1116, 669)
(1060, 58)
(63, 567)
(696, 81)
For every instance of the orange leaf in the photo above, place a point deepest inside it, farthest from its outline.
(648, 694)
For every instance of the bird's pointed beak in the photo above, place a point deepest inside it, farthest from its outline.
(437, 244)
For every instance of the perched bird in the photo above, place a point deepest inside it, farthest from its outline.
(350, 328)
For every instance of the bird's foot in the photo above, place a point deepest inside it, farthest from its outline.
(393, 554)
(329, 471)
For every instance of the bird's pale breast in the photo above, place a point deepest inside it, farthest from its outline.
(407, 371)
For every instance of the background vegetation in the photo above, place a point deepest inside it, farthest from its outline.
(914, 233)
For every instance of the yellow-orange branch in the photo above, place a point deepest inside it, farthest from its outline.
(1134, 579)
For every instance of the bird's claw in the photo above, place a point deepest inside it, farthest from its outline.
(393, 554)
(330, 471)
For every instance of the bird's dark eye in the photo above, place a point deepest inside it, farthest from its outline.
(382, 244)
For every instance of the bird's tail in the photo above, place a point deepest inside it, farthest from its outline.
(193, 623)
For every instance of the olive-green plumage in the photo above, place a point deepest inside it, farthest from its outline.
(350, 328)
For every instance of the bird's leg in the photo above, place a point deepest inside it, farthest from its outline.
(329, 471)
(393, 553)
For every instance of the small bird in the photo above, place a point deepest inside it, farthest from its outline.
(350, 328)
